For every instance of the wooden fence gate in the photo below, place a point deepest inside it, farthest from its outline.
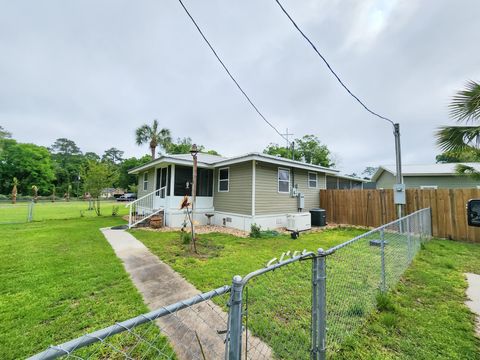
(375, 207)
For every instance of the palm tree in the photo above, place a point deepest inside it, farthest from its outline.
(14, 190)
(153, 136)
(464, 108)
(35, 193)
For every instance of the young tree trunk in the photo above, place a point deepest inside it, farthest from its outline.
(97, 207)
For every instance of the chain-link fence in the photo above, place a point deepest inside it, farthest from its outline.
(26, 211)
(303, 304)
(298, 307)
(195, 328)
(16, 213)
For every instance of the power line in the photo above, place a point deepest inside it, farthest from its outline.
(329, 67)
(229, 73)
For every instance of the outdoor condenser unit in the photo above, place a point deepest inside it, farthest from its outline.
(299, 221)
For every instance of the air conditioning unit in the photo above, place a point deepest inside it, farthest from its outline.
(299, 221)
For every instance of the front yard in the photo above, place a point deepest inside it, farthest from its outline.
(425, 316)
(60, 279)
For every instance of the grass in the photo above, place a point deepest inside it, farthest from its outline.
(60, 279)
(278, 303)
(423, 317)
(44, 210)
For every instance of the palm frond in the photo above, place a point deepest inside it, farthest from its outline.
(462, 169)
(142, 134)
(458, 138)
(465, 105)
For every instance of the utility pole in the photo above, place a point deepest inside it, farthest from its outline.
(194, 152)
(399, 187)
(290, 144)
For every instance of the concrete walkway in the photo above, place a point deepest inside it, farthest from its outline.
(473, 294)
(161, 286)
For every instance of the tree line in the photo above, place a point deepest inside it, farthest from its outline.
(64, 170)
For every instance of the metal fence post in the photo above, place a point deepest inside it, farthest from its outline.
(409, 240)
(319, 307)
(30, 211)
(235, 320)
(382, 255)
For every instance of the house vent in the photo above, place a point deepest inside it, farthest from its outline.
(228, 219)
(279, 221)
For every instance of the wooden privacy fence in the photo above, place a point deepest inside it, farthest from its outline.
(375, 207)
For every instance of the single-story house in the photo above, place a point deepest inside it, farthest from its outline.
(345, 182)
(433, 176)
(235, 192)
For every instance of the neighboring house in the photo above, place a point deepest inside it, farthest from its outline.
(345, 182)
(109, 193)
(433, 176)
(238, 191)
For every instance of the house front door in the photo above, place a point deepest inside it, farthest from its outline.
(161, 187)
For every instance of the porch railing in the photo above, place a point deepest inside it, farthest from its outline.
(145, 207)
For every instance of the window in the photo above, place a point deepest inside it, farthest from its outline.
(224, 180)
(283, 180)
(145, 181)
(183, 181)
(312, 180)
(204, 182)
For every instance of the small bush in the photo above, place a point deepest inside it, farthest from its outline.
(115, 210)
(185, 237)
(255, 231)
(384, 302)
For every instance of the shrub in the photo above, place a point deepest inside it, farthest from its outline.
(255, 231)
(185, 237)
(115, 210)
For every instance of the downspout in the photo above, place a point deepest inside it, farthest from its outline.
(254, 176)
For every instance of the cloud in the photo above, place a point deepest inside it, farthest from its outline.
(94, 71)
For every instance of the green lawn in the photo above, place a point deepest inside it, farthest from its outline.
(60, 279)
(423, 318)
(45, 210)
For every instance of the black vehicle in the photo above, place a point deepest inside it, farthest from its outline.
(127, 197)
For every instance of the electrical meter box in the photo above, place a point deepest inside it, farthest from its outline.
(300, 201)
(399, 196)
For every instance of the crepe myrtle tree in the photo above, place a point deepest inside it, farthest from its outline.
(98, 176)
(464, 108)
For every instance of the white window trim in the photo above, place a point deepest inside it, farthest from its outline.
(227, 180)
(428, 187)
(278, 181)
(145, 181)
(316, 180)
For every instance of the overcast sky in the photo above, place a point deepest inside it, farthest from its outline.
(93, 71)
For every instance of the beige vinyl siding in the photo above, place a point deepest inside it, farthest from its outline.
(151, 180)
(269, 201)
(238, 199)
